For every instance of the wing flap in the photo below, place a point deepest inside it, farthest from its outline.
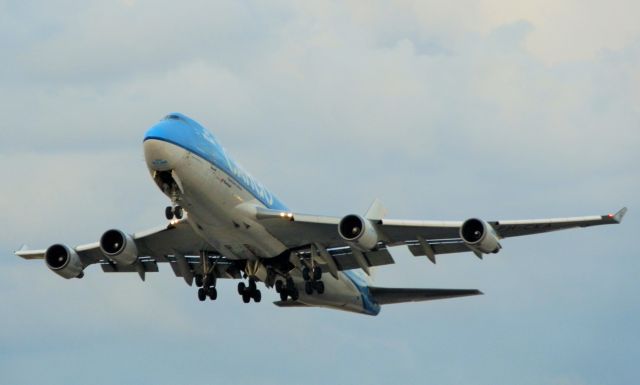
(454, 246)
(386, 296)
(346, 260)
(148, 266)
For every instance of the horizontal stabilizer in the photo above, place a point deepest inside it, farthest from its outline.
(290, 304)
(385, 296)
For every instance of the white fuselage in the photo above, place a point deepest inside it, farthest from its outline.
(219, 211)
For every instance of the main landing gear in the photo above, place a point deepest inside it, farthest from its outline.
(312, 280)
(207, 287)
(173, 212)
(249, 292)
(287, 289)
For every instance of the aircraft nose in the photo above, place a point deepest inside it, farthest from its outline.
(161, 142)
(169, 129)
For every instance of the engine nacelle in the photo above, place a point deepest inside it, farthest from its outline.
(480, 236)
(359, 232)
(63, 261)
(119, 247)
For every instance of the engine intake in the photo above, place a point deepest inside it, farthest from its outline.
(359, 232)
(479, 236)
(63, 261)
(119, 247)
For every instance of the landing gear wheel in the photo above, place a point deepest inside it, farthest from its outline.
(284, 296)
(212, 293)
(294, 295)
(279, 286)
(317, 273)
(308, 287)
(242, 288)
(177, 212)
(319, 286)
(246, 297)
(168, 212)
(306, 274)
(199, 280)
(202, 295)
(257, 296)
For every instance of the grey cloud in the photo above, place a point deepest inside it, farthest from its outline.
(330, 107)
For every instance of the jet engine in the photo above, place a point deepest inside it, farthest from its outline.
(119, 247)
(359, 232)
(63, 261)
(480, 236)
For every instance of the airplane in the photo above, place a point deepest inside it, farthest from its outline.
(224, 224)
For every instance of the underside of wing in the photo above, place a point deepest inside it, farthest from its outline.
(511, 228)
(386, 296)
(423, 238)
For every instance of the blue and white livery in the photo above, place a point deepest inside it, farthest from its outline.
(224, 224)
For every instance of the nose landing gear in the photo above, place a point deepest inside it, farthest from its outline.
(171, 188)
(173, 212)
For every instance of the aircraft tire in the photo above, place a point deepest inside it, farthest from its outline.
(308, 287)
(246, 298)
(257, 296)
(317, 273)
(279, 286)
(178, 212)
(202, 295)
(168, 212)
(212, 293)
(319, 287)
(242, 288)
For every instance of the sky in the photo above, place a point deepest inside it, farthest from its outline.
(480, 108)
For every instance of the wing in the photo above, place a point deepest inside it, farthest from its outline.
(176, 244)
(423, 238)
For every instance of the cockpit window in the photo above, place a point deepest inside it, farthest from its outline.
(174, 117)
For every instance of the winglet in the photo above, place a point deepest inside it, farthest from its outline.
(23, 247)
(376, 211)
(619, 215)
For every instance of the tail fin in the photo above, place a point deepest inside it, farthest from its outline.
(385, 296)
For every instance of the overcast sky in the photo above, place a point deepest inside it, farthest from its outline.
(490, 108)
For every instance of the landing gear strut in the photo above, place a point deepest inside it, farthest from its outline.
(170, 188)
(287, 289)
(206, 282)
(249, 292)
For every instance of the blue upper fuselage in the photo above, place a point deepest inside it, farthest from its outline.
(184, 132)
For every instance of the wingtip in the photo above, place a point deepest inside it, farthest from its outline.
(620, 214)
(22, 247)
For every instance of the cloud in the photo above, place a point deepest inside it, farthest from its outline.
(445, 111)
